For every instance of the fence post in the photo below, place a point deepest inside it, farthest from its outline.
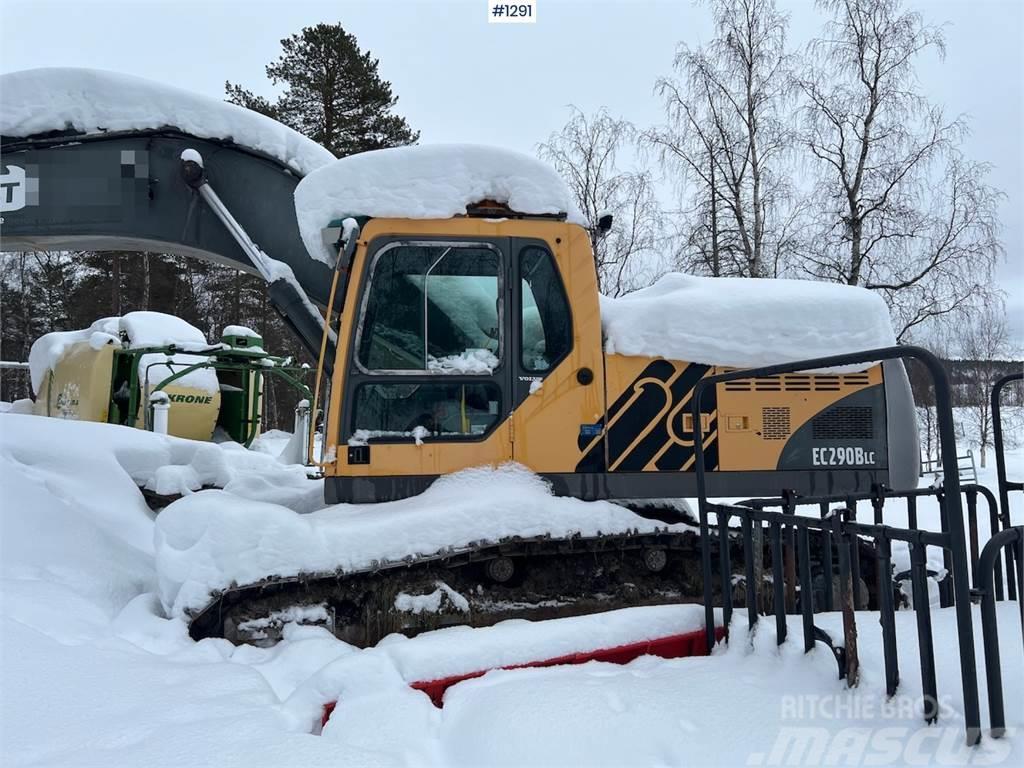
(778, 590)
(826, 557)
(922, 611)
(748, 565)
(887, 614)
(806, 590)
(846, 601)
(789, 558)
(971, 494)
(989, 629)
(1005, 484)
(724, 563)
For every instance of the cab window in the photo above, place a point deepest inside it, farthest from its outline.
(433, 308)
(432, 408)
(546, 322)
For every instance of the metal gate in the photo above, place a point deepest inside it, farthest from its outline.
(833, 543)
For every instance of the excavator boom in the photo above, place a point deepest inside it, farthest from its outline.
(124, 191)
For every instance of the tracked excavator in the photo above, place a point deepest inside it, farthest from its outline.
(451, 338)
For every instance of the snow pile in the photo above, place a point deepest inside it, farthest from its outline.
(364, 436)
(209, 540)
(139, 330)
(744, 322)
(87, 651)
(442, 597)
(470, 361)
(97, 101)
(239, 330)
(751, 703)
(156, 329)
(166, 465)
(465, 650)
(425, 182)
(47, 350)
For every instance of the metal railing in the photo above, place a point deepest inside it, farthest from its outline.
(965, 466)
(1004, 484)
(1013, 540)
(842, 527)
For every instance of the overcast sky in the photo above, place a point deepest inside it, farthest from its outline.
(461, 79)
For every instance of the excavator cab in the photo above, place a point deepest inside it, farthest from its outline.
(477, 340)
(459, 334)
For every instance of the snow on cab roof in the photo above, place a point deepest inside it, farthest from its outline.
(435, 181)
(744, 322)
(94, 101)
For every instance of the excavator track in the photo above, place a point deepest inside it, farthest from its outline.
(520, 578)
(536, 578)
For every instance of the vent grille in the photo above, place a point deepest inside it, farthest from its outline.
(775, 423)
(798, 382)
(844, 423)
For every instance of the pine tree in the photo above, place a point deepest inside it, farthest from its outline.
(333, 93)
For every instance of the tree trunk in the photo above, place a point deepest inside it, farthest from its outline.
(716, 261)
(755, 266)
(856, 243)
(115, 284)
(145, 281)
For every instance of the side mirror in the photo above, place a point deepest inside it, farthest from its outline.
(604, 224)
(349, 238)
(344, 239)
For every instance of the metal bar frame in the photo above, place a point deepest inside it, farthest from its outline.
(1004, 484)
(988, 565)
(952, 538)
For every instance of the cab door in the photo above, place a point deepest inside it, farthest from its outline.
(428, 388)
(557, 360)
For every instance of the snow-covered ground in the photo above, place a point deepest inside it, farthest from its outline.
(93, 672)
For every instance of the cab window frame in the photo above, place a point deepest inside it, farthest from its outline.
(433, 381)
(522, 247)
(426, 371)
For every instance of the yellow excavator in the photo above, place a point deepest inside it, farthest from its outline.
(467, 334)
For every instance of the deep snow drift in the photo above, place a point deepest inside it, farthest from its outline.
(92, 673)
(207, 541)
(98, 101)
(433, 181)
(744, 322)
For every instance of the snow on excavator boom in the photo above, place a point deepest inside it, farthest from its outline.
(89, 185)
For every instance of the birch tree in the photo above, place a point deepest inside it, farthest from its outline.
(901, 210)
(983, 340)
(727, 131)
(586, 152)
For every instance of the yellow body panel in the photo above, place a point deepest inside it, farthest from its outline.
(751, 420)
(542, 410)
(756, 417)
(627, 414)
(547, 423)
(79, 388)
(79, 385)
(193, 413)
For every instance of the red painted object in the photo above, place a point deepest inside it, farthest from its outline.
(671, 647)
